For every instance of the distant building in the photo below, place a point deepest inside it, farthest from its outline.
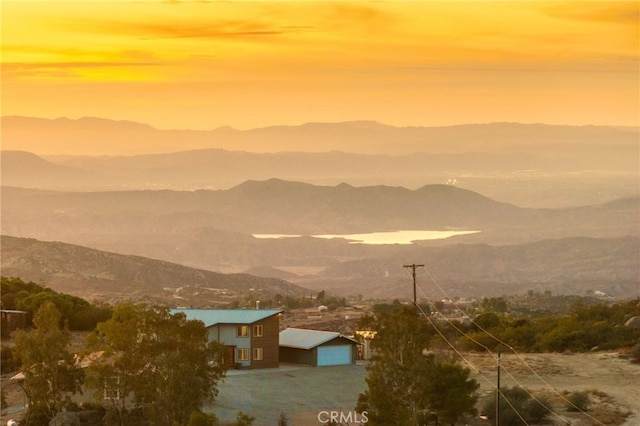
(12, 320)
(365, 337)
(317, 348)
(250, 336)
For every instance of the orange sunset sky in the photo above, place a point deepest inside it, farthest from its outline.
(247, 64)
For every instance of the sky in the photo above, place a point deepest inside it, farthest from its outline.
(248, 64)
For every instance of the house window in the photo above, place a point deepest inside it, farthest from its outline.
(242, 331)
(243, 355)
(257, 354)
(257, 330)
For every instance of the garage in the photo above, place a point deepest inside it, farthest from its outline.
(334, 355)
(316, 348)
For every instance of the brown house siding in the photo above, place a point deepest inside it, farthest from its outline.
(269, 342)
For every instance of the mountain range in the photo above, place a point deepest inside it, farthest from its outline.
(531, 165)
(214, 230)
(552, 208)
(97, 136)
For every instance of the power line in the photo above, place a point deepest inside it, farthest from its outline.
(520, 358)
(428, 318)
(498, 392)
(413, 267)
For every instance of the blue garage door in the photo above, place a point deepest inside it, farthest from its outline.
(334, 355)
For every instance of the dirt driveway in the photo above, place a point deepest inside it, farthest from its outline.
(298, 391)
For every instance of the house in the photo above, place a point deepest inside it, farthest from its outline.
(316, 348)
(250, 336)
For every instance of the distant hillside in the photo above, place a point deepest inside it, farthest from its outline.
(24, 169)
(562, 266)
(99, 275)
(272, 206)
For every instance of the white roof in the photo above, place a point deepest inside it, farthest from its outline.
(306, 339)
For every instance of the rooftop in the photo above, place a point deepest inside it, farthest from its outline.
(227, 316)
(306, 339)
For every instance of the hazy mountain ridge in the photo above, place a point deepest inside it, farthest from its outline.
(112, 137)
(277, 206)
(533, 165)
(104, 275)
(272, 206)
(212, 229)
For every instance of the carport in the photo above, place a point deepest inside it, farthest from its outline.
(316, 348)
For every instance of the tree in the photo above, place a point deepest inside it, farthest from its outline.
(405, 382)
(50, 373)
(451, 393)
(495, 304)
(161, 361)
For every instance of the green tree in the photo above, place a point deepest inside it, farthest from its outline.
(50, 373)
(160, 361)
(405, 382)
(451, 392)
(494, 304)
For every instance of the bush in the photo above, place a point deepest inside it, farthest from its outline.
(198, 418)
(8, 361)
(531, 410)
(243, 419)
(578, 401)
(283, 420)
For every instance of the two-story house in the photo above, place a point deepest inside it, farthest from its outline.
(250, 336)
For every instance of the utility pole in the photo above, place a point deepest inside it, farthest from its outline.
(413, 267)
(498, 393)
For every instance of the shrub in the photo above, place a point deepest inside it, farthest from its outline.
(198, 418)
(243, 419)
(283, 420)
(531, 410)
(578, 401)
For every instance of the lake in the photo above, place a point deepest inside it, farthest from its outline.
(387, 237)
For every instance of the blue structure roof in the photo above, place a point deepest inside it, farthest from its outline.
(227, 316)
(306, 339)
